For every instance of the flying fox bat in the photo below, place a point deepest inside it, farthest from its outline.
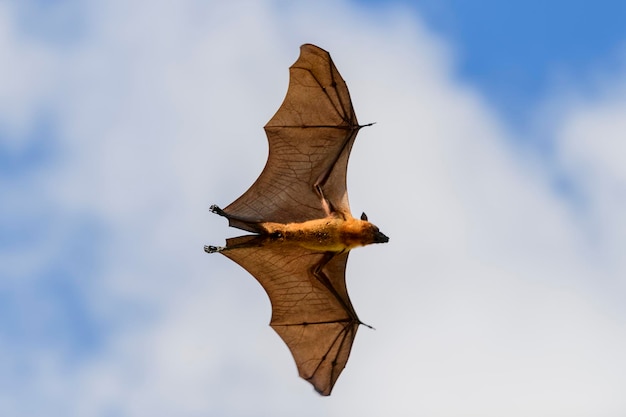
(298, 209)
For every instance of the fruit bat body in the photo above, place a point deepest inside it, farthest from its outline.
(298, 209)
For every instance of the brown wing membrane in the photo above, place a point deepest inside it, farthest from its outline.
(310, 138)
(311, 310)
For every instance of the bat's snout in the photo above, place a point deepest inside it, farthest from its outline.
(380, 237)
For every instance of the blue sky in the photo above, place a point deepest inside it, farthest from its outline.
(518, 52)
(499, 177)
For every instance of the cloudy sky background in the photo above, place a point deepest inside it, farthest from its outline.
(496, 166)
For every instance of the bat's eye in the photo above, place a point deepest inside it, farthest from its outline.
(363, 216)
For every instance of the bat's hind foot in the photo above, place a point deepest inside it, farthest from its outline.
(252, 225)
(213, 249)
(215, 209)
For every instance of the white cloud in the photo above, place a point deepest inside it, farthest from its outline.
(593, 152)
(490, 298)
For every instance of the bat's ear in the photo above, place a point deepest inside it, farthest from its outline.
(363, 216)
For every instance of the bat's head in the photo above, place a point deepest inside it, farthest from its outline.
(378, 236)
(374, 235)
(362, 232)
(355, 232)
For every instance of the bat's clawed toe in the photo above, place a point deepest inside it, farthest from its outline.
(213, 249)
(215, 209)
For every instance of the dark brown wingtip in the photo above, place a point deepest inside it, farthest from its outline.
(310, 46)
(323, 393)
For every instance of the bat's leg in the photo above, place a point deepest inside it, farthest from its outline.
(241, 242)
(253, 225)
